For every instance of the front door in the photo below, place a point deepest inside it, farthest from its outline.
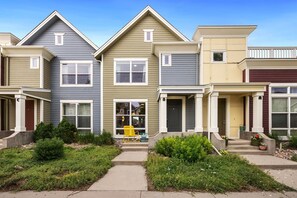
(174, 115)
(29, 117)
(222, 116)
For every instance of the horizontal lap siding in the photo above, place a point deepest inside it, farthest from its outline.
(184, 70)
(20, 73)
(132, 45)
(273, 76)
(47, 78)
(74, 48)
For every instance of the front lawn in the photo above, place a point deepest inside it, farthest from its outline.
(218, 174)
(78, 169)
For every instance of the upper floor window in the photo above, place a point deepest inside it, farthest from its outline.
(218, 56)
(76, 73)
(148, 35)
(166, 59)
(130, 71)
(34, 63)
(59, 38)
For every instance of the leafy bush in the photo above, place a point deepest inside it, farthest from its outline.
(294, 158)
(293, 142)
(43, 131)
(66, 131)
(107, 138)
(49, 149)
(85, 138)
(190, 148)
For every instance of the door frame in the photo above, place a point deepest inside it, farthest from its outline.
(183, 98)
(35, 111)
(227, 129)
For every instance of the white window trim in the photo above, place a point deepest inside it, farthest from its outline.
(130, 59)
(76, 85)
(31, 62)
(169, 60)
(219, 51)
(152, 35)
(77, 102)
(281, 95)
(56, 38)
(129, 100)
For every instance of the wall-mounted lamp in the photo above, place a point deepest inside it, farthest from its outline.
(260, 97)
(164, 99)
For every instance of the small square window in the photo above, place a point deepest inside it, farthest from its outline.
(218, 56)
(34, 62)
(59, 38)
(166, 59)
(148, 35)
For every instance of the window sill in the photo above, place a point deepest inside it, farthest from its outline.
(131, 84)
(76, 85)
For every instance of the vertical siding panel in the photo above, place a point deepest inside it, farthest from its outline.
(190, 114)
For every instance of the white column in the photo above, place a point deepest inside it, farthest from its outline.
(258, 112)
(199, 113)
(214, 112)
(163, 113)
(20, 102)
(41, 110)
(247, 113)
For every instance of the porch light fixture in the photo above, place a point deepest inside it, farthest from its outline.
(164, 99)
(260, 97)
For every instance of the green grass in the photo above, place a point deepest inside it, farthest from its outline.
(216, 174)
(78, 169)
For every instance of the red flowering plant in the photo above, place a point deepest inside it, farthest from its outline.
(256, 140)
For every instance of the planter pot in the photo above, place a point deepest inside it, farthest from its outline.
(263, 147)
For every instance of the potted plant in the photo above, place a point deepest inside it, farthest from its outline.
(263, 146)
(256, 140)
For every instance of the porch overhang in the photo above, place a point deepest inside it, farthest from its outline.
(237, 87)
(268, 63)
(16, 51)
(178, 90)
(174, 47)
(8, 92)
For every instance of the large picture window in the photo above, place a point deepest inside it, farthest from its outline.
(131, 71)
(130, 113)
(78, 113)
(284, 110)
(76, 73)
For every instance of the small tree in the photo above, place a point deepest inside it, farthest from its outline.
(43, 131)
(66, 131)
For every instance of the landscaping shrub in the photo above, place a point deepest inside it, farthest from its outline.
(106, 138)
(66, 131)
(294, 158)
(49, 149)
(190, 148)
(43, 131)
(293, 142)
(85, 138)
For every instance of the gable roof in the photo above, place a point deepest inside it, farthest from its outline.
(146, 10)
(47, 20)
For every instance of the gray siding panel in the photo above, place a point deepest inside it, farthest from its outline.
(190, 114)
(74, 48)
(184, 70)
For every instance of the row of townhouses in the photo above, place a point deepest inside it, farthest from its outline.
(148, 75)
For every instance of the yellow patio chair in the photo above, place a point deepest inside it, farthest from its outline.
(129, 133)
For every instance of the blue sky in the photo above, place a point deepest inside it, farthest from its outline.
(99, 20)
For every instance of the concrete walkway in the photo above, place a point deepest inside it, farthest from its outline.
(270, 162)
(141, 194)
(128, 172)
(287, 177)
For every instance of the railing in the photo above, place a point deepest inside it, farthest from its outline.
(272, 52)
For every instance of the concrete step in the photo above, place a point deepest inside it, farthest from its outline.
(134, 148)
(144, 144)
(242, 147)
(239, 142)
(248, 152)
(131, 158)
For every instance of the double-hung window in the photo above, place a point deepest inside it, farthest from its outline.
(130, 112)
(78, 113)
(284, 110)
(130, 71)
(76, 73)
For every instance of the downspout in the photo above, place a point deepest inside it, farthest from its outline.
(101, 92)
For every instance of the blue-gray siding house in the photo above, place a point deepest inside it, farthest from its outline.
(69, 100)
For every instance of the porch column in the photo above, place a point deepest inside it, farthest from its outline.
(258, 112)
(214, 112)
(20, 102)
(163, 113)
(247, 113)
(199, 113)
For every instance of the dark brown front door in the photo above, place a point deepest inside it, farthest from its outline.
(222, 116)
(174, 115)
(29, 115)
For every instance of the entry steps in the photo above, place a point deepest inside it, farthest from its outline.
(243, 147)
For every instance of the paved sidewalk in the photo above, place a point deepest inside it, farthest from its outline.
(141, 194)
(287, 177)
(131, 158)
(270, 162)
